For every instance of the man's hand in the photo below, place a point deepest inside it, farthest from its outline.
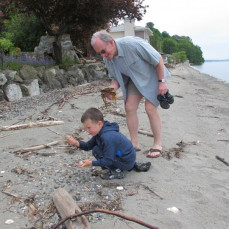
(72, 141)
(162, 88)
(84, 163)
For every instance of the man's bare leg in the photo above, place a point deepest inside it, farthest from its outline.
(155, 123)
(131, 107)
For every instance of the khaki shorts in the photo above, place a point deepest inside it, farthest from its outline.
(131, 89)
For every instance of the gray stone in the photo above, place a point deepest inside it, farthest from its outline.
(77, 74)
(12, 74)
(30, 88)
(40, 72)
(2, 97)
(24, 90)
(45, 47)
(13, 92)
(18, 79)
(28, 72)
(50, 78)
(3, 79)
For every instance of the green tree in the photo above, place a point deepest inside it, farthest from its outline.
(5, 46)
(24, 31)
(156, 39)
(193, 52)
(165, 35)
(169, 45)
(59, 17)
(180, 57)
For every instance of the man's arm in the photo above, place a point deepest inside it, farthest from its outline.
(162, 86)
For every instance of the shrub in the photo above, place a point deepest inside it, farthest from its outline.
(67, 61)
(24, 31)
(180, 57)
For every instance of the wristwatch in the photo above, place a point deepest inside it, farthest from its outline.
(163, 80)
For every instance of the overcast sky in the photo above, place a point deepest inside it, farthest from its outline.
(206, 22)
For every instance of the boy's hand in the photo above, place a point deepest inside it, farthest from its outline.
(84, 163)
(72, 141)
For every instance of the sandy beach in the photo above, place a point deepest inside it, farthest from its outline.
(187, 176)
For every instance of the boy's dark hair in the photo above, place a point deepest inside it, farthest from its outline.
(93, 114)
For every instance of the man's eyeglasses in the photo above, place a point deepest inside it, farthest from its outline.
(103, 51)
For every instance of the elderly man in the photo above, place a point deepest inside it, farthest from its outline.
(136, 67)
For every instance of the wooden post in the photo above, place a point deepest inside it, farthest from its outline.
(66, 206)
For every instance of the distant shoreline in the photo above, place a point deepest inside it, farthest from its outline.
(224, 60)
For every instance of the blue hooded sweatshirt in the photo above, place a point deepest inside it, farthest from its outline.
(116, 149)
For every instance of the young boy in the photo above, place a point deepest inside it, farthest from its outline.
(111, 149)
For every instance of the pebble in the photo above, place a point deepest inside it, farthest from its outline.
(174, 210)
(119, 188)
(9, 221)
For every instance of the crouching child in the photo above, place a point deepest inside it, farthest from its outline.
(111, 149)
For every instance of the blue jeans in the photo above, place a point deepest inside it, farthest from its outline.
(118, 164)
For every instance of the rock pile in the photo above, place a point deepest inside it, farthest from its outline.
(31, 81)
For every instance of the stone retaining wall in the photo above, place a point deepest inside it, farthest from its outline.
(30, 81)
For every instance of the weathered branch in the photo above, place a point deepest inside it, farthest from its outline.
(36, 147)
(145, 133)
(222, 160)
(108, 212)
(148, 188)
(32, 124)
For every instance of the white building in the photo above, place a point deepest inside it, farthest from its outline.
(129, 29)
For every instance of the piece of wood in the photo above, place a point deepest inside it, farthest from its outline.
(13, 195)
(148, 188)
(34, 148)
(66, 206)
(32, 124)
(222, 160)
(145, 133)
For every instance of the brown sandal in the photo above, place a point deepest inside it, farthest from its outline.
(154, 151)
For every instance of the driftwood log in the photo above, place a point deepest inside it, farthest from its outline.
(145, 133)
(32, 124)
(66, 206)
(34, 148)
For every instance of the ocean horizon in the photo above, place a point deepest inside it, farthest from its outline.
(216, 68)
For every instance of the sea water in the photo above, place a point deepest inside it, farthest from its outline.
(216, 68)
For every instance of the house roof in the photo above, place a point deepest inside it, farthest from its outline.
(120, 28)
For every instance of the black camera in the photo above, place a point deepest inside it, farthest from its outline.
(165, 100)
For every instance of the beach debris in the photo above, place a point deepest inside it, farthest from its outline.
(31, 125)
(182, 143)
(174, 210)
(32, 209)
(222, 160)
(149, 189)
(226, 140)
(66, 207)
(107, 212)
(33, 148)
(106, 91)
(55, 132)
(19, 170)
(120, 188)
(145, 133)
(2, 172)
(9, 221)
(118, 113)
(176, 152)
(132, 193)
